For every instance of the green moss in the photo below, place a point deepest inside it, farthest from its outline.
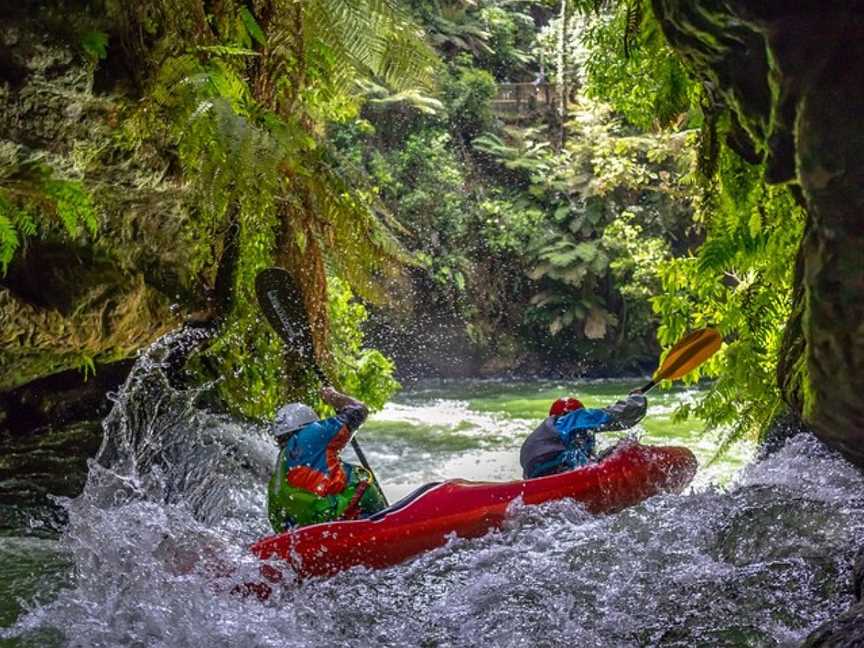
(103, 327)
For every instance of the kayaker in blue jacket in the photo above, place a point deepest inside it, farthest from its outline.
(311, 483)
(566, 439)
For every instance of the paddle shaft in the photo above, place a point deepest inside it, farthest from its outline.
(648, 387)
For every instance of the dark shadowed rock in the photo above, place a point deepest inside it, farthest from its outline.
(846, 631)
(49, 428)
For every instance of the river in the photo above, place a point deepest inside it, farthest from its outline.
(753, 554)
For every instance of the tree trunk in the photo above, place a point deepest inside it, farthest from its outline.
(562, 75)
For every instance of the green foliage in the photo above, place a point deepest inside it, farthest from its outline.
(9, 240)
(426, 186)
(512, 234)
(507, 223)
(648, 84)
(739, 278)
(72, 205)
(453, 28)
(95, 45)
(739, 281)
(362, 372)
(378, 95)
(252, 28)
(511, 32)
(589, 280)
(497, 34)
(635, 261)
(33, 200)
(467, 93)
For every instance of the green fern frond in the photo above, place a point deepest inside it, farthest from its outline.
(9, 241)
(226, 50)
(365, 252)
(73, 205)
(371, 36)
(24, 220)
(252, 27)
(632, 25)
(32, 198)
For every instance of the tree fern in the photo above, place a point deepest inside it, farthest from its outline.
(371, 37)
(247, 106)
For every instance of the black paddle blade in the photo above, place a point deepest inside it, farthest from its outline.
(282, 304)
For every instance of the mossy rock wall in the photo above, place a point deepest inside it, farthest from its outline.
(74, 302)
(792, 73)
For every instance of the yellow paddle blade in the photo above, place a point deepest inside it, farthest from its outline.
(689, 353)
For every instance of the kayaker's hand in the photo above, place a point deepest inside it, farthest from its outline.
(328, 395)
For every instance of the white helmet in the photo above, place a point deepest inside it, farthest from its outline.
(292, 417)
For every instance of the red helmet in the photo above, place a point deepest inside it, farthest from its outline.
(564, 405)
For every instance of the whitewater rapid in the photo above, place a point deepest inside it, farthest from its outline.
(158, 539)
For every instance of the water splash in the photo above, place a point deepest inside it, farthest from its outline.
(159, 539)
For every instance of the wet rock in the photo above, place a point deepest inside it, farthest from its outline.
(846, 631)
(60, 399)
(858, 575)
(782, 428)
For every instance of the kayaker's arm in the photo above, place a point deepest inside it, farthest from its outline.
(352, 411)
(626, 413)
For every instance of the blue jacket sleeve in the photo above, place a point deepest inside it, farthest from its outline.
(320, 434)
(579, 423)
(317, 436)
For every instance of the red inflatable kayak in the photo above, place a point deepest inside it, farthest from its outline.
(422, 521)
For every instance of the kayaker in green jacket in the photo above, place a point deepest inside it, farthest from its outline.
(310, 482)
(566, 439)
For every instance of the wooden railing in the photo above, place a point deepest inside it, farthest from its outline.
(521, 100)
